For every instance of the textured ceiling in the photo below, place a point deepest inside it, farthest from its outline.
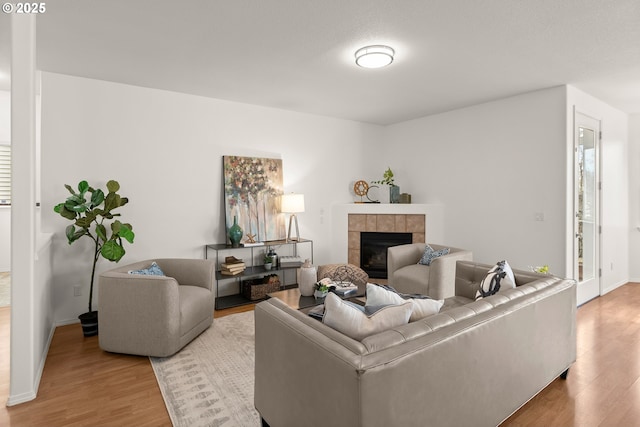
(298, 54)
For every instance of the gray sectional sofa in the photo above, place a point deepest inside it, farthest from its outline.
(473, 364)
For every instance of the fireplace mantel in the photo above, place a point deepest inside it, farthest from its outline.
(434, 222)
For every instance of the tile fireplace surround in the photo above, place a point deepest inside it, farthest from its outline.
(424, 222)
(388, 223)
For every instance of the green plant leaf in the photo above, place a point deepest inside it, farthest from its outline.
(83, 222)
(70, 231)
(112, 201)
(112, 251)
(78, 234)
(73, 234)
(83, 186)
(123, 201)
(97, 197)
(113, 186)
(126, 233)
(58, 208)
(68, 187)
(67, 213)
(101, 231)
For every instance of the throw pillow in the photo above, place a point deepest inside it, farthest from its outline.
(429, 255)
(509, 281)
(492, 283)
(422, 306)
(153, 270)
(350, 320)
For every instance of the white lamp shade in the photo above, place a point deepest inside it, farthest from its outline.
(292, 203)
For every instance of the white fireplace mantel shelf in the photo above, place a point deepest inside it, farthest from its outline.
(434, 222)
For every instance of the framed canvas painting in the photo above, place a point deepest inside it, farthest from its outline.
(252, 190)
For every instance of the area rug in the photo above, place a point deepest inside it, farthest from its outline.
(210, 381)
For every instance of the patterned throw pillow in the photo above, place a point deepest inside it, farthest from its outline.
(492, 282)
(429, 255)
(153, 270)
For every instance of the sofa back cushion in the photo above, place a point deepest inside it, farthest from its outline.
(469, 276)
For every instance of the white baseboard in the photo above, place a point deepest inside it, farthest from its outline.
(615, 286)
(636, 280)
(67, 322)
(26, 397)
(21, 398)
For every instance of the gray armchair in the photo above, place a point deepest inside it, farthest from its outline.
(155, 315)
(437, 280)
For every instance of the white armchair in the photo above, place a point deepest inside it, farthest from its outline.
(436, 280)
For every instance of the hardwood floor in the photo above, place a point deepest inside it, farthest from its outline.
(83, 386)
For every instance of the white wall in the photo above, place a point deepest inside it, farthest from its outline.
(634, 196)
(493, 166)
(166, 151)
(616, 230)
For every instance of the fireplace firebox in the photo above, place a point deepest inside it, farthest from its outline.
(373, 251)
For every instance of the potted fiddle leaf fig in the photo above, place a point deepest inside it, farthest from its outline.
(92, 215)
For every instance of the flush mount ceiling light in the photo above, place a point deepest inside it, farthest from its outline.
(374, 56)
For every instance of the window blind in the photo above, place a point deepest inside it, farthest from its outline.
(5, 174)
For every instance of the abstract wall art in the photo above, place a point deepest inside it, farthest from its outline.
(252, 190)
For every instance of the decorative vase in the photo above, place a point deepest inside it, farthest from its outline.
(307, 278)
(394, 194)
(235, 233)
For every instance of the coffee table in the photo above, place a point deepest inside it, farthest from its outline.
(294, 299)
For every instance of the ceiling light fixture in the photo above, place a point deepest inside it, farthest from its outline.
(375, 56)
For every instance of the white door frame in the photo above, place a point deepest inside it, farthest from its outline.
(591, 287)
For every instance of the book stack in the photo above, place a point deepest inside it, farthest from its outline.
(232, 266)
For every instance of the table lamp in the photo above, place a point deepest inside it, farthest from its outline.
(292, 204)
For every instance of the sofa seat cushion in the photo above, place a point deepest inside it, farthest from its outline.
(345, 317)
(195, 306)
(412, 279)
(453, 302)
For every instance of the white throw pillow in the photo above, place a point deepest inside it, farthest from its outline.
(421, 307)
(509, 282)
(353, 322)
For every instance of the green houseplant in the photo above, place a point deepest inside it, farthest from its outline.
(268, 262)
(388, 179)
(91, 212)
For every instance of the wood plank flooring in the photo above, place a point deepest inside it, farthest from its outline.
(83, 386)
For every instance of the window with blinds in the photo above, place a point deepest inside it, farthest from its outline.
(5, 174)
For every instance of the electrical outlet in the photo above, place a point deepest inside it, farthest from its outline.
(77, 291)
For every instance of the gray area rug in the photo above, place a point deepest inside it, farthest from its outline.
(210, 381)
